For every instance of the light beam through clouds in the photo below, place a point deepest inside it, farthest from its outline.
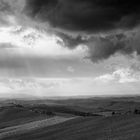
(47, 50)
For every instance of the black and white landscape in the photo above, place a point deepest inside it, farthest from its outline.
(69, 69)
(71, 119)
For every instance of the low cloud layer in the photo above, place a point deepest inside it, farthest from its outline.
(122, 75)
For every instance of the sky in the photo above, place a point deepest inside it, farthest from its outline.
(69, 48)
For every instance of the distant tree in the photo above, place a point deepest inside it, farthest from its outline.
(136, 111)
(113, 113)
(18, 105)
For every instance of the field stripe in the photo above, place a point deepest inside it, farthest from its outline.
(24, 128)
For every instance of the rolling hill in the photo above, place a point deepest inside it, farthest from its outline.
(77, 119)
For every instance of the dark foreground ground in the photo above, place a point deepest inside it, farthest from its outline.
(92, 128)
(71, 119)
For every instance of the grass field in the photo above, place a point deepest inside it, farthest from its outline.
(71, 119)
(91, 128)
(34, 125)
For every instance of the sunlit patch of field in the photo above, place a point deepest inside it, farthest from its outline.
(24, 128)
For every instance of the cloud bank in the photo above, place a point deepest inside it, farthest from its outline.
(69, 39)
(104, 27)
(86, 15)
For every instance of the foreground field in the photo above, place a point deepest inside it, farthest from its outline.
(24, 128)
(11, 116)
(71, 119)
(91, 128)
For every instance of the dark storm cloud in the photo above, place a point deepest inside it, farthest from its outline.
(90, 18)
(86, 15)
(101, 47)
(70, 41)
(11, 6)
(126, 43)
(4, 6)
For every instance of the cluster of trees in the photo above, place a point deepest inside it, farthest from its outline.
(45, 112)
(65, 111)
(61, 109)
(18, 105)
(84, 114)
(136, 111)
(53, 110)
